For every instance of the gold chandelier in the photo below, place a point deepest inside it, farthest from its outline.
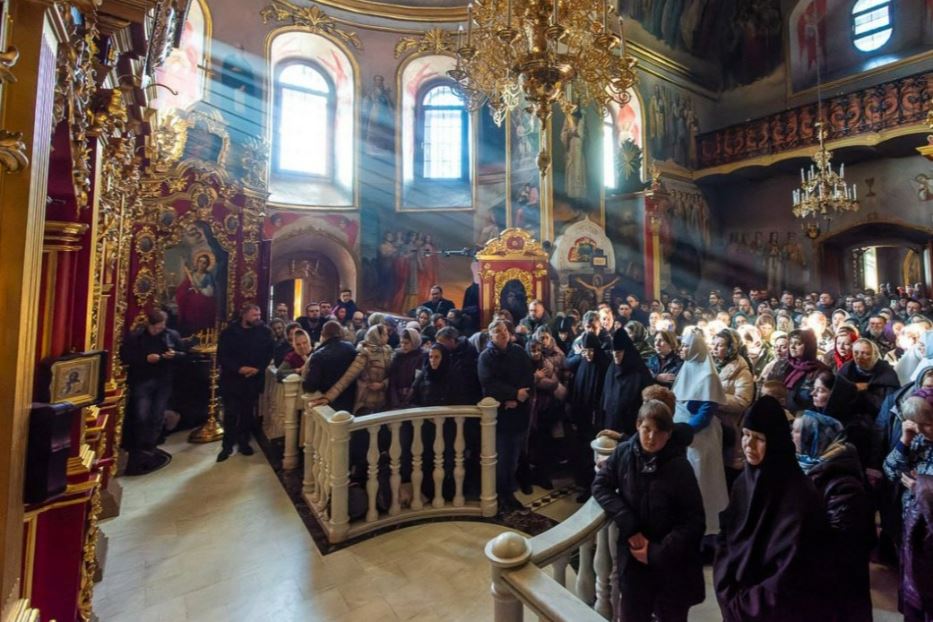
(564, 52)
(823, 192)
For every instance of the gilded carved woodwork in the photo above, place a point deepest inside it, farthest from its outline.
(89, 565)
(434, 41)
(512, 243)
(162, 40)
(255, 155)
(13, 156)
(309, 17)
(74, 88)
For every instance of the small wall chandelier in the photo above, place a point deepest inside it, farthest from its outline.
(823, 192)
(564, 52)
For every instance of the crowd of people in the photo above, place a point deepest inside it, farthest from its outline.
(766, 434)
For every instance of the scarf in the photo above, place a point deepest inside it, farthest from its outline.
(838, 358)
(801, 367)
(818, 433)
(698, 379)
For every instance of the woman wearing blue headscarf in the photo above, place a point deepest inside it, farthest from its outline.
(834, 468)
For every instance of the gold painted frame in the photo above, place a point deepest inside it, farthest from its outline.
(89, 368)
(268, 125)
(399, 163)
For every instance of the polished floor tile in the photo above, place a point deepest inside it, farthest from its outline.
(201, 541)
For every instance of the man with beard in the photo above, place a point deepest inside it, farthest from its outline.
(243, 352)
(537, 316)
(280, 343)
(826, 305)
(860, 314)
(875, 334)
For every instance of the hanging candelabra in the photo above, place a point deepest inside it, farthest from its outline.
(823, 192)
(563, 52)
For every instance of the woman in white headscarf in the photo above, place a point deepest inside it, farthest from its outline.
(922, 352)
(699, 393)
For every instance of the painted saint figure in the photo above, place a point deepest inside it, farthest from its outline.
(197, 307)
(575, 167)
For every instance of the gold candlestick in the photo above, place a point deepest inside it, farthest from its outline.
(212, 430)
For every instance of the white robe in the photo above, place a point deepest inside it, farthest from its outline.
(705, 456)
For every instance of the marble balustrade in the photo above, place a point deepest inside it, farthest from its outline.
(395, 444)
(520, 576)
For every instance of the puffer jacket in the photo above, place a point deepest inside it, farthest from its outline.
(375, 369)
(739, 386)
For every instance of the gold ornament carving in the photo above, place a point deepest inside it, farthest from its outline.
(75, 85)
(13, 156)
(89, 566)
(434, 41)
(254, 161)
(310, 17)
(164, 27)
(512, 274)
(166, 144)
(512, 243)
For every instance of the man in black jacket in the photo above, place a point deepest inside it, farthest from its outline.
(311, 321)
(243, 352)
(437, 303)
(506, 375)
(149, 352)
(328, 364)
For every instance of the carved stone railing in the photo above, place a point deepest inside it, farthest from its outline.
(326, 483)
(281, 413)
(874, 110)
(272, 405)
(520, 578)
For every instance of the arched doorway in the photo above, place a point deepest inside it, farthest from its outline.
(848, 258)
(308, 265)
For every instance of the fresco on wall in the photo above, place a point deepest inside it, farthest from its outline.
(625, 135)
(672, 126)
(744, 37)
(180, 71)
(524, 144)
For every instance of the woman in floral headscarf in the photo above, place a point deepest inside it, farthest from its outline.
(842, 348)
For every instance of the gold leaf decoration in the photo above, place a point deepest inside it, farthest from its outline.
(436, 40)
(310, 17)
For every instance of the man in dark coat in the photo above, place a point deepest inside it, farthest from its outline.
(625, 379)
(328, 364)
(149, 353)
(537, 316)
(437, 303)
(244, 349)
(654, 499)
(589, 369)
(312, 322)
(463, 359)
(505, 374)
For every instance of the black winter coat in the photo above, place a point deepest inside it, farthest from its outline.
(502, 373)
(432, 389)
(327, 365)
(243, 347)
(139, 344)
(669, 365)
(666, 507)
(621, 397)
(465, 389)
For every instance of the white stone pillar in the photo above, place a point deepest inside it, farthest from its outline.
(339, 425)
(487, 459)
(505, 551)
(292, 386)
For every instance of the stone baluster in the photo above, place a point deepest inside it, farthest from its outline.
(292, 387)
(340, 475)
(559, 570)
(308, 487)
(417, 457)
(507, 550)
(586, 579)
(438, 462)
(603, 571)
(487, 459)
(318, 431)
(325, 458)
(459, 471)
(395, 479)
(614, 577)
(372, 481)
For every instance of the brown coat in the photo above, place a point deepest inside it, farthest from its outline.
(738, 382)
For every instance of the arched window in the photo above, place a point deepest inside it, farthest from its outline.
(442, 149)
(871, 24)
(609, 150)
(304, 106)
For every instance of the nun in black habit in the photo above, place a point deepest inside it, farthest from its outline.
(771, 561)
(589, 369)
(625, 378)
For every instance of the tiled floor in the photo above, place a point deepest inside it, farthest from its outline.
(202, 541)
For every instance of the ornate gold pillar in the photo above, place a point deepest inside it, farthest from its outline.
(62, 240)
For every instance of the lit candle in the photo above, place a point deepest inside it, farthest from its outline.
(855, 192)
(508, 13)
(802, 177)
(842, 169)
(469, 23)
(459, 36)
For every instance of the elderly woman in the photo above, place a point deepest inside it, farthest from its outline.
(639, 336)
(665, 362)
(910, 461)
(874, 378)
(648, 488)
(738, 383)
(841, 353)
(834, 468)
(699, 394)
(759, 351)
(798, 371)
(778, 341)
(917, 343)
(625, 378)
(373, 380)
(771, 556)
(296, 359)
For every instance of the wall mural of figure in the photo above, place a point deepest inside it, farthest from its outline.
(572, 135)
(795, 262)
(528, 209)
(774, 264)
(378, 113)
